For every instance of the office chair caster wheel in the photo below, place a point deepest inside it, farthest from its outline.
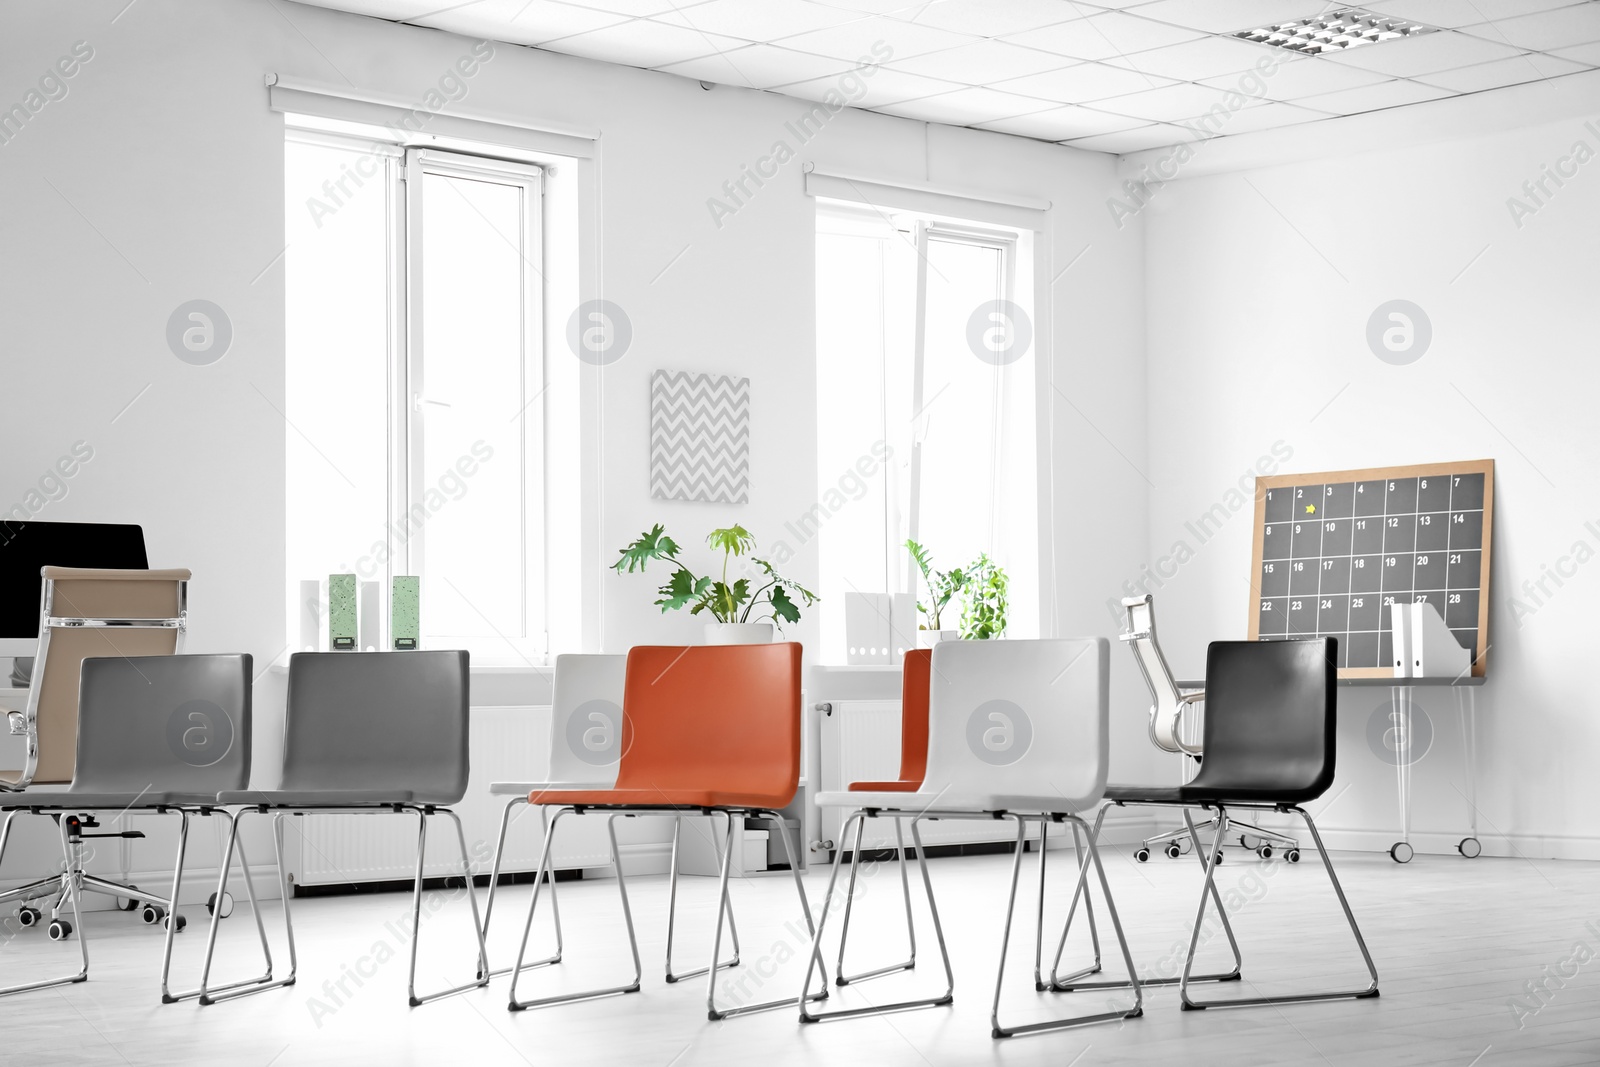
(1174, 850)
(152, 914)
(1470, 847)
(227, 904)
(1142, 855)
(1293, 855)
(60, 929)
(29, 916)
(177, 922)
(1219, 855)
(1265, 852)
(128, 903)
(1244, 842)
(1401, 852)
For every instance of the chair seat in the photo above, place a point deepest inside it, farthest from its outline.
(885, 787)
(1146, 794)
(522, 789)
(653, 798)
(1199, 794)
(319, 798)
(920, 803)
(67, 800)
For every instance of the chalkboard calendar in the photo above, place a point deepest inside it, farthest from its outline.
(1332, 550)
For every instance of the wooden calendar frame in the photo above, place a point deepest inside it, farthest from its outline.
(1484, 467)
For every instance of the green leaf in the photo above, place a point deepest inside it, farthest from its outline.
(782, 607)
(735, 540)
(652, 545)
(681, 589)
(920, 555)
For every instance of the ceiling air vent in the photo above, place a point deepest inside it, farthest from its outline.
(1338, 31)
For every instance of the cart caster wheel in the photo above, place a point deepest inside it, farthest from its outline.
(60, 929)
(1265, 852)
(227, 905)
(1470, 847)
(177, 922)
(152, 914)
(1293, 855)
(1142, 855)
(128, 903)
(1401, 852)
(1174, 850)
(29, 916)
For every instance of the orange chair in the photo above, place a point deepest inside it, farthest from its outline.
(914, 676)
(707, 729)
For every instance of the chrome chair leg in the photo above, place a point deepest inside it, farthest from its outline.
(169, 997)
(494, 883)
(482, 978)
(725, 908)
(627, 914)
(842, 979)
(209, 994)
(1070, 983)
(68, 882)
(808, 1016)
(999, 1031)
(1189, 1004)
(672, 908)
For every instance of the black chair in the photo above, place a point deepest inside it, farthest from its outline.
(1270, 740)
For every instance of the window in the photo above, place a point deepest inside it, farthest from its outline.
(415, 384)
(926, 377)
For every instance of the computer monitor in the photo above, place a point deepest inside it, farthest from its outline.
(26, 547)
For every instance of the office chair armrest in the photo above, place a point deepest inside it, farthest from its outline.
(1191, 698)
(18, 721)
(1186, 701)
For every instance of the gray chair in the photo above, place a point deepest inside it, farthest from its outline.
(156, 734)
(368, 733)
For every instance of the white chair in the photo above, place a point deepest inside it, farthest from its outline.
(1171, 730)
(1017, 730)
(586, 736)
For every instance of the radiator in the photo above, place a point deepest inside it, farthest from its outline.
(508, 743)
(861, 743)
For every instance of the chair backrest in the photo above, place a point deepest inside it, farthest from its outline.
(85, 613)
(914, 676)
(164, 724)
(1020, 718)
(1270, 718)
(713, 717)
(378, 721)
(586, 718)
(1168, 706)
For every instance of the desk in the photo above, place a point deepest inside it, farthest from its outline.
(1400, 699)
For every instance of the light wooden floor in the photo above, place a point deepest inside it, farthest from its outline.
(1455, 941)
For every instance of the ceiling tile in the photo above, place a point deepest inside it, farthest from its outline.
(1298, 76)
(1501, 72)
(1455, 13)
(761, 66)
(1157, 135)
(883, 39)
(995, 18)
(1174, 102)
(1268, 116)
(1209, 57)
(1585, 53)
(1084, 82)
(642, 43)
(966, 107)
(883, 87)
(521, 22)
(1562, 28)
(1102, 36)
(1063, 123)
(1231, 16)
(1406, 57)
(1372, 97)
(981, 62)
(757, 20)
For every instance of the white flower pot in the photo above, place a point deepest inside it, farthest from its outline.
(739, 633)
(929, 638)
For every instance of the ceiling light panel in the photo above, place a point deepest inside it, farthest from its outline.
(1351, 27)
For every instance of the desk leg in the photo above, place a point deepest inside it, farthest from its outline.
(1467, 705)
(1400, 717)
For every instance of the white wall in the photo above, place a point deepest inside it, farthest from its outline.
(158, 179)
(1259, 288)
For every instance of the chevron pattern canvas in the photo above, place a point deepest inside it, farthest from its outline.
(699, 437)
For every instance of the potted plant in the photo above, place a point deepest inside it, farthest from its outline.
(983, 606)
(730, 604)
(942, 586)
